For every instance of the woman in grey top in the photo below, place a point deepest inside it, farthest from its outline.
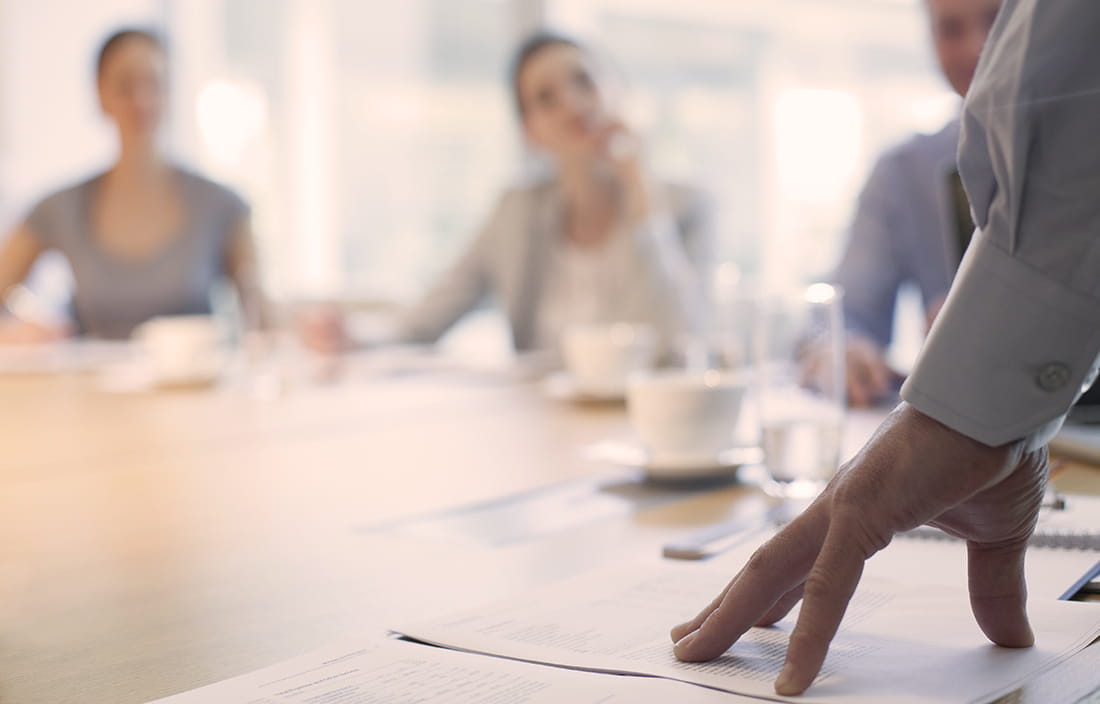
(144, 238)
(600, 242)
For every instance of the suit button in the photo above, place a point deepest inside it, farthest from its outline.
(1053, 376)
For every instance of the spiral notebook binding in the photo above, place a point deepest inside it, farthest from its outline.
(1074, 525)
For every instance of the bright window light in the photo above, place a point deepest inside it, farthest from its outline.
(819, 136)
(231, 115)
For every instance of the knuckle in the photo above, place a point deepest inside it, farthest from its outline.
(858, 516)
(818, 587)
(756, 564)
(851, 494)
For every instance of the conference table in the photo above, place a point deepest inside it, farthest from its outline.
(155, 541)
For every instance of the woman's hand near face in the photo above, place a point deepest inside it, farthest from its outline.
(622, 148)
(619, 145)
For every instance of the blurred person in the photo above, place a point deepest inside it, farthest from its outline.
(144, 238)
(601, 241)
(912, 223)
(1015, 343)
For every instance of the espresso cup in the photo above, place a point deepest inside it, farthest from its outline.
(685, 417)
(600, 357)
(181, 350)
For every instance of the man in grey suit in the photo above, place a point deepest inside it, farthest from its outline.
(912, 223)
(1016, 341)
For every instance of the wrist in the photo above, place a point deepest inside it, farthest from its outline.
(929, 427)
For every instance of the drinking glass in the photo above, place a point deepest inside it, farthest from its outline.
(800, 387)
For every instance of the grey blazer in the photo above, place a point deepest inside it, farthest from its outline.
(670, 255)
(1019, 335)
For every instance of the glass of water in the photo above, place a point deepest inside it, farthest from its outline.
(800, 387)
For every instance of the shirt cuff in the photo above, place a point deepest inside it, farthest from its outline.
(1009, 352)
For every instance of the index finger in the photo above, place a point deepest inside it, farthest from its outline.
(775, 569)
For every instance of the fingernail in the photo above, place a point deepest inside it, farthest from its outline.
(684, 643)
(678, 632)
(784, 684)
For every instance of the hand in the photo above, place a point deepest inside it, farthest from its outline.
(867, 376)
(20, 331)
(622, 148)
(619, 144)
(322, 330)
(914, 470)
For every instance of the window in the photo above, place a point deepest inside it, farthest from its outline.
(385, 138)
(373, 137)
(778, 108)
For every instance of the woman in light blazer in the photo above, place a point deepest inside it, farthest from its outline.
(599, 242)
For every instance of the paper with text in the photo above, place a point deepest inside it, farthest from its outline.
(897, 643)
(397, 672)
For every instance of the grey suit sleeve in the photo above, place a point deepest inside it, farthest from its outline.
(456, 292)
(672, 258)
(1020, 332)
(868, 271)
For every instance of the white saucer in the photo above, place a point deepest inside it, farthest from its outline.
(564, 386)
(686, 466)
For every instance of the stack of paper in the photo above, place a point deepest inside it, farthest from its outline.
(898, 642)
(394, 672)
(602, 638)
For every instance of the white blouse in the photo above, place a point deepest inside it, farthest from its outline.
(582, 285)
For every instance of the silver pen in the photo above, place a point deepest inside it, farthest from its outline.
(720, 537)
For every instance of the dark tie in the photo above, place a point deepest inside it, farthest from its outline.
(960, 209)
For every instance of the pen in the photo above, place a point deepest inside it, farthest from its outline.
(713, 539)
(1085, 585)
(720, 537)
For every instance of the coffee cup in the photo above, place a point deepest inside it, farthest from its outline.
(601, 357)
(685, 419)
(181, 350)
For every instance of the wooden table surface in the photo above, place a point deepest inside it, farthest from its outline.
(155, 542)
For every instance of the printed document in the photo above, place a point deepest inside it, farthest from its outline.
(898, 642)
(395, 672)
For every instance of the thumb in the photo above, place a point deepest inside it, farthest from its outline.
(998, 592)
